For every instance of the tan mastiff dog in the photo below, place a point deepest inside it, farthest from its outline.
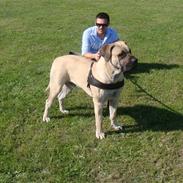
(102, 80)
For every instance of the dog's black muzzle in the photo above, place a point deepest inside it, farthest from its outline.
(133, 63)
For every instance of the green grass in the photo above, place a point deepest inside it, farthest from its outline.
(32, 34)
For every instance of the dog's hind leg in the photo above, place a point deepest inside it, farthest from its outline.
(66, 89)
(113, 110)
(54, 91)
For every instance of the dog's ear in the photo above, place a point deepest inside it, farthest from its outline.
(106, 51)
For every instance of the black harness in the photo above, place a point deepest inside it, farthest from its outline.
(92, 81)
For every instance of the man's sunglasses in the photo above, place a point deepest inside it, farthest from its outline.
(101, 25)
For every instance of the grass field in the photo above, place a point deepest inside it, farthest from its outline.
(150, 149)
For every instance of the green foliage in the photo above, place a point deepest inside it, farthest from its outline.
(150, 149)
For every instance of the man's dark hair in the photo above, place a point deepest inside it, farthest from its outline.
(103, 15)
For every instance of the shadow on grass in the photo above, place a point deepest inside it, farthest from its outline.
(150, 118)
(81, 110)
(148, 67)
(145, 117)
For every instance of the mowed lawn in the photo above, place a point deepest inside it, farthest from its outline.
(149, 149)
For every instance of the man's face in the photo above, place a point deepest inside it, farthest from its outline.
(101, 26)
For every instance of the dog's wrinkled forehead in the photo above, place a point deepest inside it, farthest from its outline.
(119, 47)
(114, 49)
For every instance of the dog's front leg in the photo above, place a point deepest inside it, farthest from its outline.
(113, 110)
(98, 107)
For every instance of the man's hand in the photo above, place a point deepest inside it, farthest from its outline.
(94, 56)
(97, 56)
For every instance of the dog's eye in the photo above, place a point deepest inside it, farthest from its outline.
(122, 55)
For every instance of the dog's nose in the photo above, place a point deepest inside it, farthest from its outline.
(134, 60)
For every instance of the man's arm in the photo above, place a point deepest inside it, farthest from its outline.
(93, 56)
(85, 49)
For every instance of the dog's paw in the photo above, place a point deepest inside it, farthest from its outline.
(46, 119)
(117, 127)
(100, 135)
(64, 111)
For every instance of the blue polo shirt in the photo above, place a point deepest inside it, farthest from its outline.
(91, 43)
